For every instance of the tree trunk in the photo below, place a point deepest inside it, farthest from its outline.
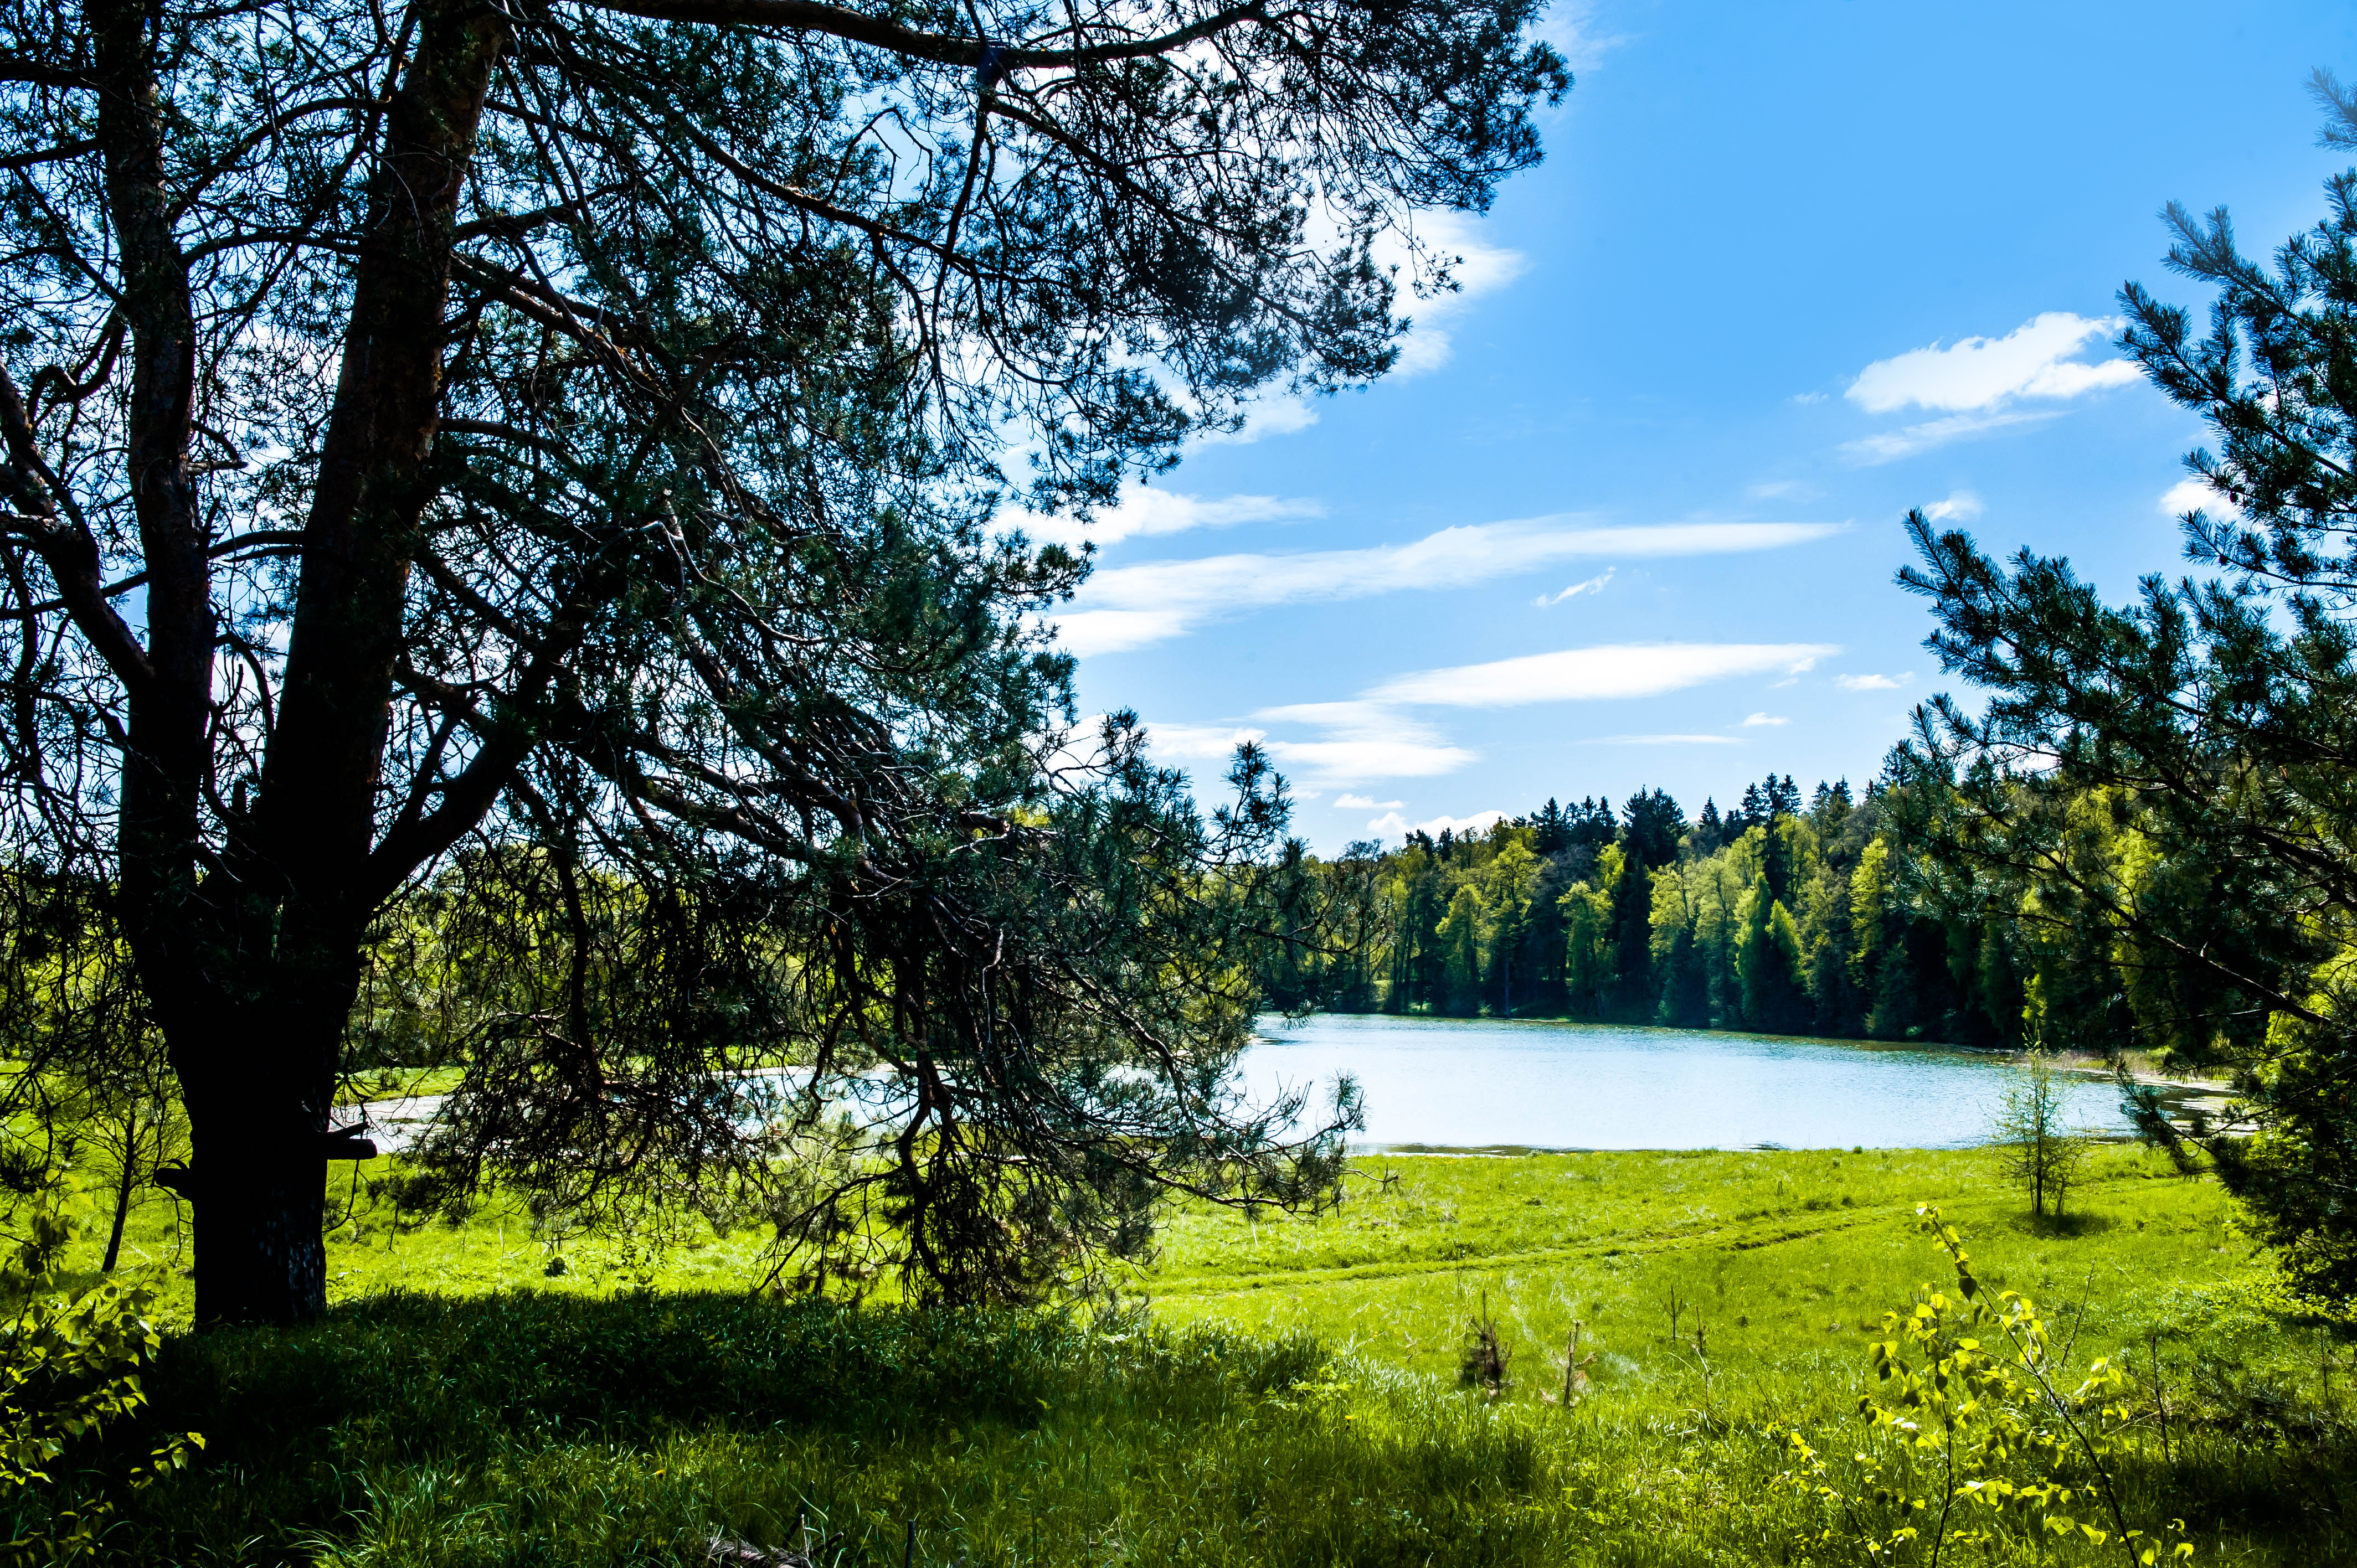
(125, 1181)
(258, 1084)
(261, 1257)
(253, 960)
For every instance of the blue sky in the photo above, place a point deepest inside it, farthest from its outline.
(1629, 515)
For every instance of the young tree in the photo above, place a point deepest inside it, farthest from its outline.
(576, 423)
(2037, 1147)
(2207, 730)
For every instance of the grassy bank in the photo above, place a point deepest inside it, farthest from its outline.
(1290, 1396)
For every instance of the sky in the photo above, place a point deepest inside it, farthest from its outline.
(1627, 514)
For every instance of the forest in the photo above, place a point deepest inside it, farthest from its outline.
(575, 988)
(1780, 915)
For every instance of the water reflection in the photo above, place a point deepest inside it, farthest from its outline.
(1475, 1082)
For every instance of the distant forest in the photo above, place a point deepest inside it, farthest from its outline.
(1782, 915)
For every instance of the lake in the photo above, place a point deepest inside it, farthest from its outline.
(1472, 1082)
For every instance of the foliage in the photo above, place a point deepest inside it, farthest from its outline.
(652, 553)
(70, 1368)
(1986, 1418)
(2158, 793)
(1483, 1365)
(1778, 916)
(2038, 1151)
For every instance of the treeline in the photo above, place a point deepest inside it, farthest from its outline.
(1781, 915)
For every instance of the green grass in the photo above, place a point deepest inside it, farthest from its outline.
(1288, 1397)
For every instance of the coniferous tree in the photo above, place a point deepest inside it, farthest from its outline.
(1654, 826)
(1775, 993)
(1631, 941)
(2173, 777)
(579, 426)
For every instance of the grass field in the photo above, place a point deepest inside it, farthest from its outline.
(1286, 1394)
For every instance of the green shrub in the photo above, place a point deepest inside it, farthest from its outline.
(70, 1368)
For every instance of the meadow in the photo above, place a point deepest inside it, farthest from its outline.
(1275, 1389)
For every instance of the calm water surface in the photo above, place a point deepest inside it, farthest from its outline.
(1471, 1082)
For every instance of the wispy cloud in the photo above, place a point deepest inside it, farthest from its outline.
(1131, 607)
(1281, 415)
(1477, 267)
(1874, 683)
(1145, 511)
(1893, 444)
(1977, 381)
(2034, 359)
(1373, 736)
(1350, 802)
(1350, 741)
(1200, 742)
(1962, 506)
(1593, 585)
(1570, 27)
(1579, 674)
(1359, 740)
(1782, 490)
(1756, 720)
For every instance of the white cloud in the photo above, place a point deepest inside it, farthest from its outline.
(1361, 740)
(2035, 360)
(1114, 631)
(2197, 495)
(1394, 825)
(1579, 674)
(1145, 512)
(1478, 267)
(1200, 742)
(1131, 606)
(1962, 506)
(1874, 683)
(1283, 415)
(1782, 490)
(1362, 804)
(1663, 740)
(1571, 27)
(1593, 585)
(1756, 720)
(1392, 757)
(1893, 444)
(1352, 742)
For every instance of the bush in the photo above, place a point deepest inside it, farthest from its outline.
(69, 1369)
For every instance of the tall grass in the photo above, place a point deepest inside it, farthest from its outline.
(1290, 1397)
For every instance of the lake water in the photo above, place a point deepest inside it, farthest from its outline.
(1468, 1083)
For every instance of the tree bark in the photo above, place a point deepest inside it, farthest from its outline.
(125, 1181)
(250, 953)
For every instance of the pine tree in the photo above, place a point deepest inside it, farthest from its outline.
(1632, 942)
(1654, 826)
(561, 445)
(1775, 993)
(2207, 722)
